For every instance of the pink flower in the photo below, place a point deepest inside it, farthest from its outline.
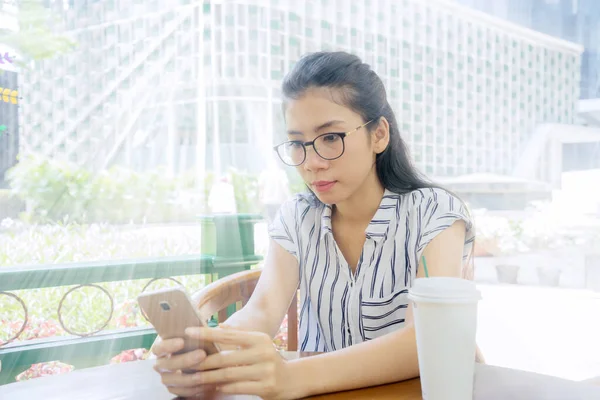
(44, 369)
(34, 329)
(127, 314)
(130, 355)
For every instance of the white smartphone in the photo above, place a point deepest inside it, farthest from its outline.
(171, 311)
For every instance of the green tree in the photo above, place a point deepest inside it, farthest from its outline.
(35, 39)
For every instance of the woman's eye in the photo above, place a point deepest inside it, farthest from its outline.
(331, 138)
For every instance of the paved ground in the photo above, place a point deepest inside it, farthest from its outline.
(544, 330)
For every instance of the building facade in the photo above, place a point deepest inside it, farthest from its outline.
(9, 94)
(167, 82)
(577, 21)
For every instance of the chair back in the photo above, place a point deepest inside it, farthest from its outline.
(215, 297)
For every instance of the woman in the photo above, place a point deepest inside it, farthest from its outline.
(353, 246)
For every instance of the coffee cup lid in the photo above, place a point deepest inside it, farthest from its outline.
(444, 288)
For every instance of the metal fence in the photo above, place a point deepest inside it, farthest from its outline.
(227, 244)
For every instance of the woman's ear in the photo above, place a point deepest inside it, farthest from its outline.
(380, 138)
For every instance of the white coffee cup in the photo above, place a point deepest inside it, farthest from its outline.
(445, 315)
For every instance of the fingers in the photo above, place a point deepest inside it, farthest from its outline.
(240, 370)
(219, 376)
(179, 380)
(226, 359)
(163, 348)
(228, 336)
(180, 362)
(195, 392)
(249, 388)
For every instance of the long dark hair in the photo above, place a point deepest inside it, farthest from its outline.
(360, 89)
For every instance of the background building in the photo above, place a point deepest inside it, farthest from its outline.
(9, 112)
(197, 85)
(577, 21)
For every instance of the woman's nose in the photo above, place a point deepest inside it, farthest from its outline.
(314, 161)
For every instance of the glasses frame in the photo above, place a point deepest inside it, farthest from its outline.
(342, 135)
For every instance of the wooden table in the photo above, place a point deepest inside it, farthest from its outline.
(138, 381)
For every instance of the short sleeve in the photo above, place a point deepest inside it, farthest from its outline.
(438, 210)
(284, 227)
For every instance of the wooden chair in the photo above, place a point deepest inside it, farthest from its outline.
(215, 297)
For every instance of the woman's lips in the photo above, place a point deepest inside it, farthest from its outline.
(323, 186)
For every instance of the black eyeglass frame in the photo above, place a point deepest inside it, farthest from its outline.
(342, 136)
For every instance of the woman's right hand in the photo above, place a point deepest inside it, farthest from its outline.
(165, 348)
(190, 361)
(181, 362)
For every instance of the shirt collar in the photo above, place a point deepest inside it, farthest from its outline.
(326, 221)
(379, 225)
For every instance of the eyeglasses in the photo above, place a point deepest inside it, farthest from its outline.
(328, 146)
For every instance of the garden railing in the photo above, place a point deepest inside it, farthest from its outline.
(227, 248)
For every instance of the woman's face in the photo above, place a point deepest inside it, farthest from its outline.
(333, 181)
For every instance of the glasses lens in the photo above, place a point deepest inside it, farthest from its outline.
(292, 153)
(330, 146)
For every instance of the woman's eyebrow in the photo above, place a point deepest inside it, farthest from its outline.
(328, 124)
(318, 128)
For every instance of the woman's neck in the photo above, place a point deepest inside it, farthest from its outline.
(363, 204)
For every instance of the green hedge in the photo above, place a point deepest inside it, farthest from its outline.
(10, 205)
(56, 190)
(60, 191)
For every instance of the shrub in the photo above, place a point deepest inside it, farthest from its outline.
(246, 191)
(55, 190)
(10, 205)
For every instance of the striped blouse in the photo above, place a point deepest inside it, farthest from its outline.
(338, 308)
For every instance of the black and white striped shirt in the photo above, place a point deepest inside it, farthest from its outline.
(338, 308)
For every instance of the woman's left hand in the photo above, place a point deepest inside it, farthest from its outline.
(255, 368)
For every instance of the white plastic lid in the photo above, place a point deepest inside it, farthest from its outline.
(444, 288)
